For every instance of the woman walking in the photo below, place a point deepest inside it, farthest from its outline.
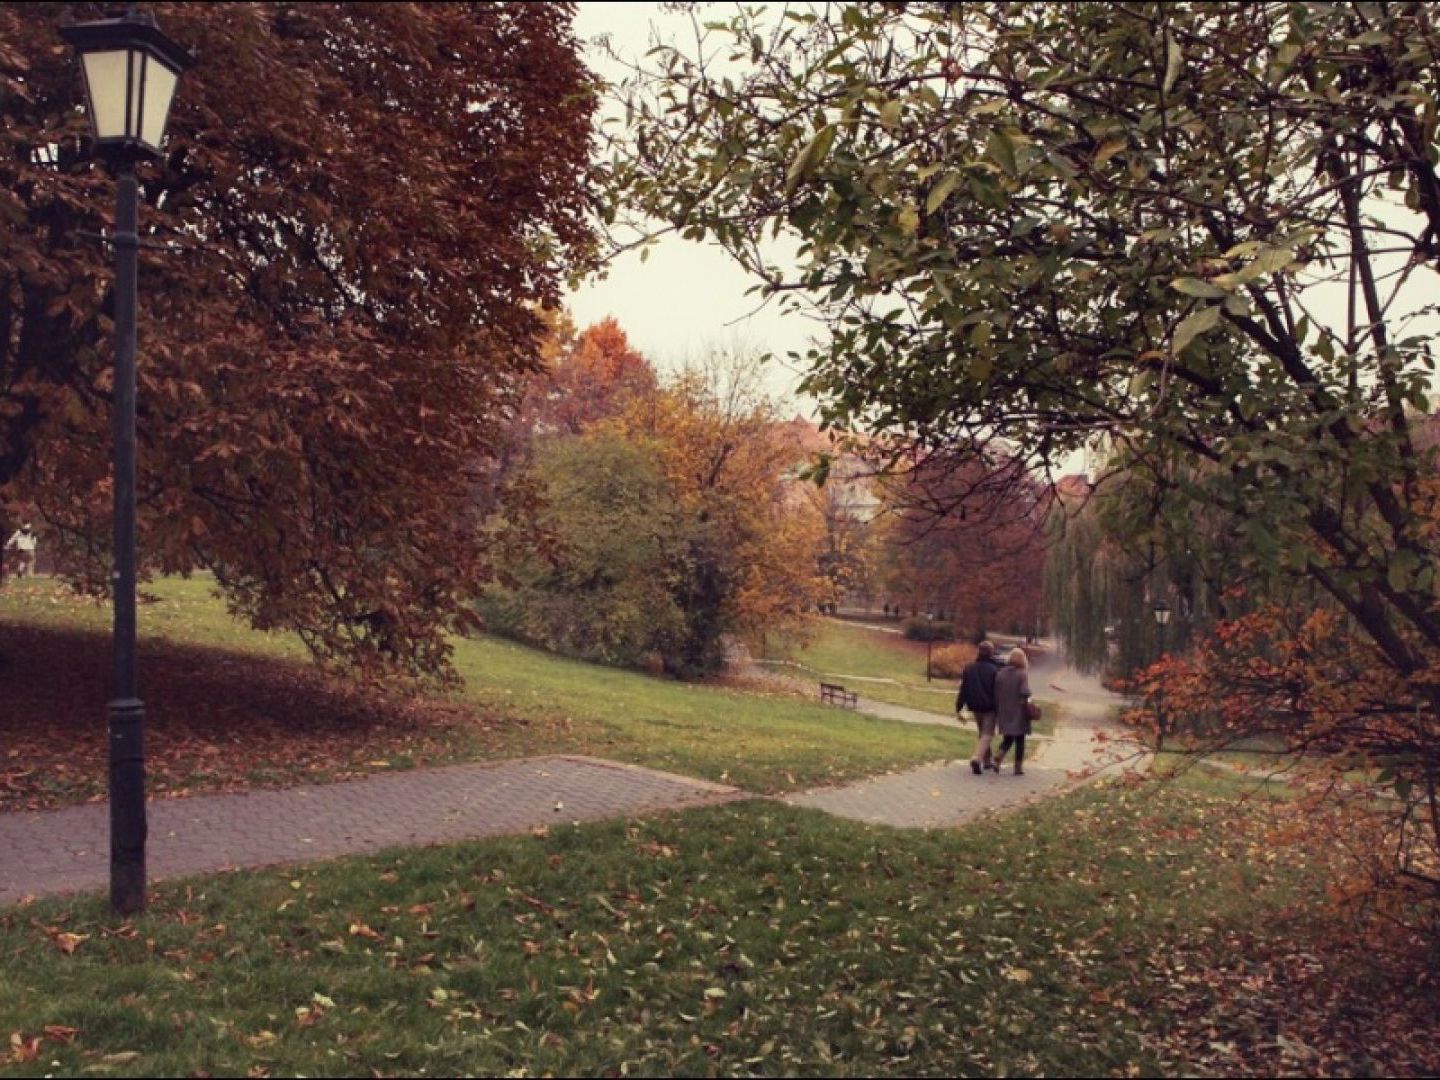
(1012, 695)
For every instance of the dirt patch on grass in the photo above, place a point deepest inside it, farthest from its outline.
(215, 720)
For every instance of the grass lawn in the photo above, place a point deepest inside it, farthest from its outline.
(230, 707)
(841, 651)
(179, 609)
(1111, 932)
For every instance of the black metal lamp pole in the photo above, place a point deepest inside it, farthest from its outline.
(128, 829)
(929, 642)
(1162, 619)
(131, 71)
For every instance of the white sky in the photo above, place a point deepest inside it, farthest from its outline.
(686, 298)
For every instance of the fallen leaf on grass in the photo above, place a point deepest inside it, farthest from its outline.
(23, 1049)
(65, 941)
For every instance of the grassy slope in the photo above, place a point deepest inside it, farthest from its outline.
(752, 939)
(1110, 931)
(539, 703)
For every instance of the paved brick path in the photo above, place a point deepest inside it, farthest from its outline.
(68, 850)
(933, 796)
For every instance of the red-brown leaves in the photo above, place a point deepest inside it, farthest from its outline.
(215, 720)
(372, 200)
(1356, 741)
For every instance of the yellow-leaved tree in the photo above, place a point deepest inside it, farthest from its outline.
(753, 541)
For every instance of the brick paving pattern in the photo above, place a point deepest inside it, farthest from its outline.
(68, 850)
(933, 796)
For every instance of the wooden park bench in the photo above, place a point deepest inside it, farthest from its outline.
(834, 694)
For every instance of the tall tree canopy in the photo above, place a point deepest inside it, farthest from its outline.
(370, 202)
(665, 514)
(967, 540)
(1209, 231)
(1204, 229)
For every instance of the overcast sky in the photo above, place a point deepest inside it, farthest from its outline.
(686, 297)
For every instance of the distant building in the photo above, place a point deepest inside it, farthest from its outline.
(849, 490)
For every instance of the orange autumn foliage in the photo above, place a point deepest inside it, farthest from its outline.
(1359, 742)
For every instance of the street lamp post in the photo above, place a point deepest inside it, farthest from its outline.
(131, 71)
(1162, 619)
(929, 641)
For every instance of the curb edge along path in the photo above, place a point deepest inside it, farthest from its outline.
(1087, 744)
(67, 850)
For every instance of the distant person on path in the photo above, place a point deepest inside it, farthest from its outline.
(977, 693)
(1012, 695)
(23, 544)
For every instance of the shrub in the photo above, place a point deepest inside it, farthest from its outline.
(950, 661)
(929, 630)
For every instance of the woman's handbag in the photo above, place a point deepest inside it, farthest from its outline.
(1031, 712)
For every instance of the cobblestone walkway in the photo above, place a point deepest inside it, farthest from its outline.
(68, 850)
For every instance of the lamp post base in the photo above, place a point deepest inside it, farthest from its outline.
(128, 828)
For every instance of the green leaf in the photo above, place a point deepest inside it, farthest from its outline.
(1201, 290)
(994, 105)
(1270, 260)
(1236, 305)
(941, 191)
(1109, 150)
(809, 158)
(1193, 325)
(1001, 149)
(1174, 61)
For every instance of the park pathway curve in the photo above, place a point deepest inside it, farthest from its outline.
(1088, 743)
(67, 850)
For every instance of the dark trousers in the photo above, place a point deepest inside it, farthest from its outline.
(1017, 741)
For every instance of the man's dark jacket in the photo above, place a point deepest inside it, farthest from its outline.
(977, 686)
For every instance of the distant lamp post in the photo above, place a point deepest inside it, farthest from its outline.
(1162, 620)
(929, 641)
(131, 71)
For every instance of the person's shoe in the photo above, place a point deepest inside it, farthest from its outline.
(1019, 771)
(975, 767)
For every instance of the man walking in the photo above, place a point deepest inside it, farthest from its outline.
(977, 693)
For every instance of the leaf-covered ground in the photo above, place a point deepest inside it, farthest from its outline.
(215, 720)
(1111, 932)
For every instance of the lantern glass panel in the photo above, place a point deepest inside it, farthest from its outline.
(105, 79)
(159, 91)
